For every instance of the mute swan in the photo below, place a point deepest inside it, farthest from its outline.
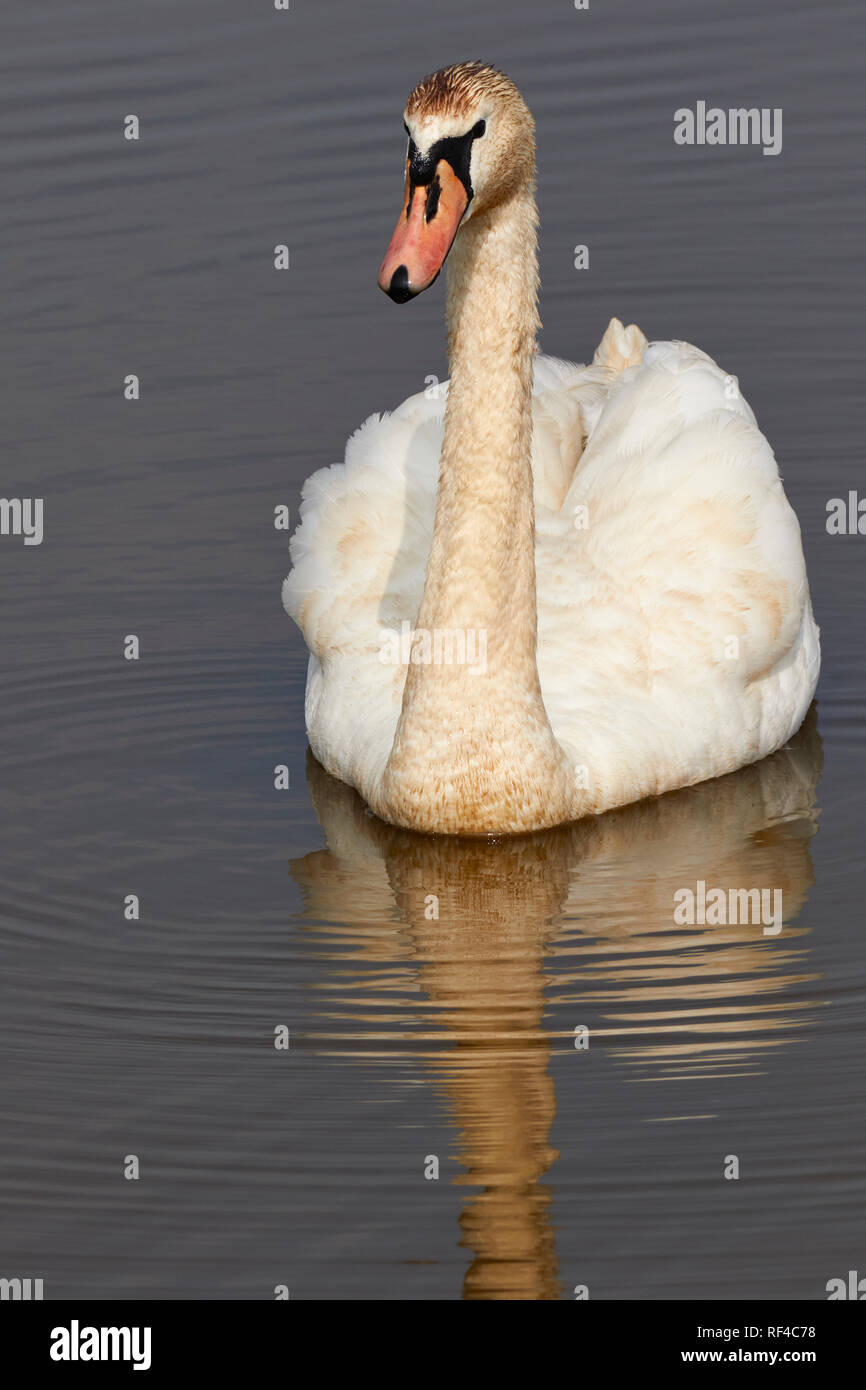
(562, 588)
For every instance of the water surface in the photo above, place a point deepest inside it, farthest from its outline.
(410, 1038)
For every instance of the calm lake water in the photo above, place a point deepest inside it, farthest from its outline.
(558, 1166)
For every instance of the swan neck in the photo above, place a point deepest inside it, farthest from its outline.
(482, 562)
(497, 763)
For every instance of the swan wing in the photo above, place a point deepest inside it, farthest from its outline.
(675, 628)
(359, 556)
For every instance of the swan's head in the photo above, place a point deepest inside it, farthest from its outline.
(471, 146)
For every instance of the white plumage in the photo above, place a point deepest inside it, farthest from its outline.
(675, 634)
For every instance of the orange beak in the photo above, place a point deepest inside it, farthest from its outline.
(423, 236)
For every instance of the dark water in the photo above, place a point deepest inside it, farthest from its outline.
(260, 908)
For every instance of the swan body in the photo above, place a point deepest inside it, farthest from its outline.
(611, 544)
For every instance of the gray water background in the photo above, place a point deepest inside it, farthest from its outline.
(558, 1167)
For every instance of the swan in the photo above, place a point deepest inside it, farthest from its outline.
(556, 589)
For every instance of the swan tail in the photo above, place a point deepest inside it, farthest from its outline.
(620, 348)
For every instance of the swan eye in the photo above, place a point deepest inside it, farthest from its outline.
(478, 130)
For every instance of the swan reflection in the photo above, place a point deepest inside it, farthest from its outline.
(475, 959)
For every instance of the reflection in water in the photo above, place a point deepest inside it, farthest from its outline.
(574, 926)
